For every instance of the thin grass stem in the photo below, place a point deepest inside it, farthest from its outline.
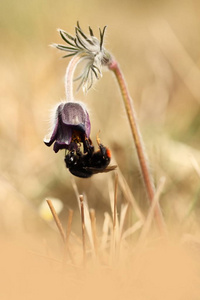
(129, 195)
(94, 232)
(83, 228)
(69, 223)
(68, 231)
(57, 220)
(154, 204)
(65, 238)
(115, 202)
(115, 227)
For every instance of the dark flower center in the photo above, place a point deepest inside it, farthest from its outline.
(77, 136)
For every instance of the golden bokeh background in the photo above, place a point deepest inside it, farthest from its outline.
(157, 44)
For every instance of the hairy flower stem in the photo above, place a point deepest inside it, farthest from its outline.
(69, 76)
(143, 161)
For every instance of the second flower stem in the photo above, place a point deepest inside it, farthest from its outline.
(143, 161)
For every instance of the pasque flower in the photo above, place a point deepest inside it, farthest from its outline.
(71, 124)
(70, 127)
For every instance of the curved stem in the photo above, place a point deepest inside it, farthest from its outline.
(70, 75)
(142, 157)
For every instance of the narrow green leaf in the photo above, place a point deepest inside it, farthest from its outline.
(91, 32)
(64, 48)
(68, 55)
(95, 73)
(67, 34)
(84, 36)
(79, 40)
(102, 36)
(65, 39)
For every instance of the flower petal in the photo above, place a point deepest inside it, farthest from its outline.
(70, 117)
(49, 140)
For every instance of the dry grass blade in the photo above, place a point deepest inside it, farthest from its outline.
(113, 205)
(105, 231)
(83, 227)
(124, 209)
(94, 233)
(69, 223)
(123, 213)
(115, 202)
(131, 230)
(86, 212)
(65, 238)
(68, 231)
(129, 196)
(115, 233)
(150, 217)
(57, 220)
(88, 223)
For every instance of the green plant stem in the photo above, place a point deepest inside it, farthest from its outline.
(143, 161)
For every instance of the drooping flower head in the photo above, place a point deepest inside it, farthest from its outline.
(91, 51)
(71, 129)
(71, 126)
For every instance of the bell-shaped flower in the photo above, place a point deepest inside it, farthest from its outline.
(71, 127)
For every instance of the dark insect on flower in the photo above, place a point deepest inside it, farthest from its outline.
(71, 131)
(84, 165)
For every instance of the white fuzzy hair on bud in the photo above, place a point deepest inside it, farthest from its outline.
(87, 49)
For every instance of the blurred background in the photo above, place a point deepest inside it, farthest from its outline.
(157, 44)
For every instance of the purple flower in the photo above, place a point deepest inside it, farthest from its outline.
(71, 126)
